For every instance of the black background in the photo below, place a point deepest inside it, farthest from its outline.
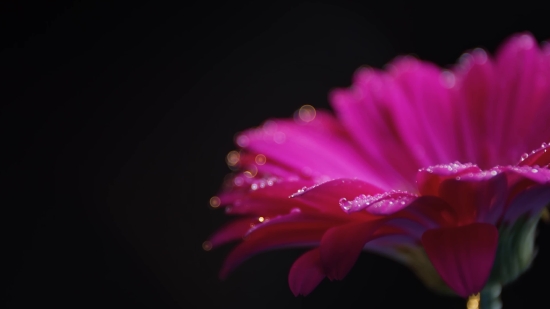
(116, 119)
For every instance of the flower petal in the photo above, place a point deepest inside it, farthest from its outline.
(540, 157)
(523, 74)
(477, 197)
(232, 231)
(292, 230)
(268, 198)
(475, 94)
(463, 256)
(306, 273)
(429, 179)
(327, 195)
(320, 147)
(529, 202)
(341, 246)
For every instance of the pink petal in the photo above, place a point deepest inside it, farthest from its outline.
(320, 147)
(306, 273)
(422, 94)
(523, 74)
(463, 256)
(475, 94)
(367, 121)
(341, 246)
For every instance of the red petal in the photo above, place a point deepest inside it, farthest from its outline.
(430, 211)
(292, 230)
(232, 231)
(341, 246)
(463, 256)
(540, 157)
(306, 273)
(429, 179)
(476, 198)
(326, 196)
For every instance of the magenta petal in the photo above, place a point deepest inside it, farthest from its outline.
(306, 273)
(429, 179)
(326, 196)
(463, 256)
(540, 157)
(320, 147)
(341, 246)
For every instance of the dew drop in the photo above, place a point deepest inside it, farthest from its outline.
(345, 204)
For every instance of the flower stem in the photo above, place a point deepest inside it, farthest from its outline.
(489, 298)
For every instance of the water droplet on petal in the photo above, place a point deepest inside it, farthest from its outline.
(295, 210)
(345, 204)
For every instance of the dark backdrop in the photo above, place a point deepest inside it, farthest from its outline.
(116, 120)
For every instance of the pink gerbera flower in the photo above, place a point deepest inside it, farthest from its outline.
(379, 175)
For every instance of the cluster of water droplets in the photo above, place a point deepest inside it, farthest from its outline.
(543, 148)
(450, 168)
(322, 180)
(382, 203)
(479, 175)
(534, 172)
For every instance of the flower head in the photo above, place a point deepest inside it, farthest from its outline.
(377, 175)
